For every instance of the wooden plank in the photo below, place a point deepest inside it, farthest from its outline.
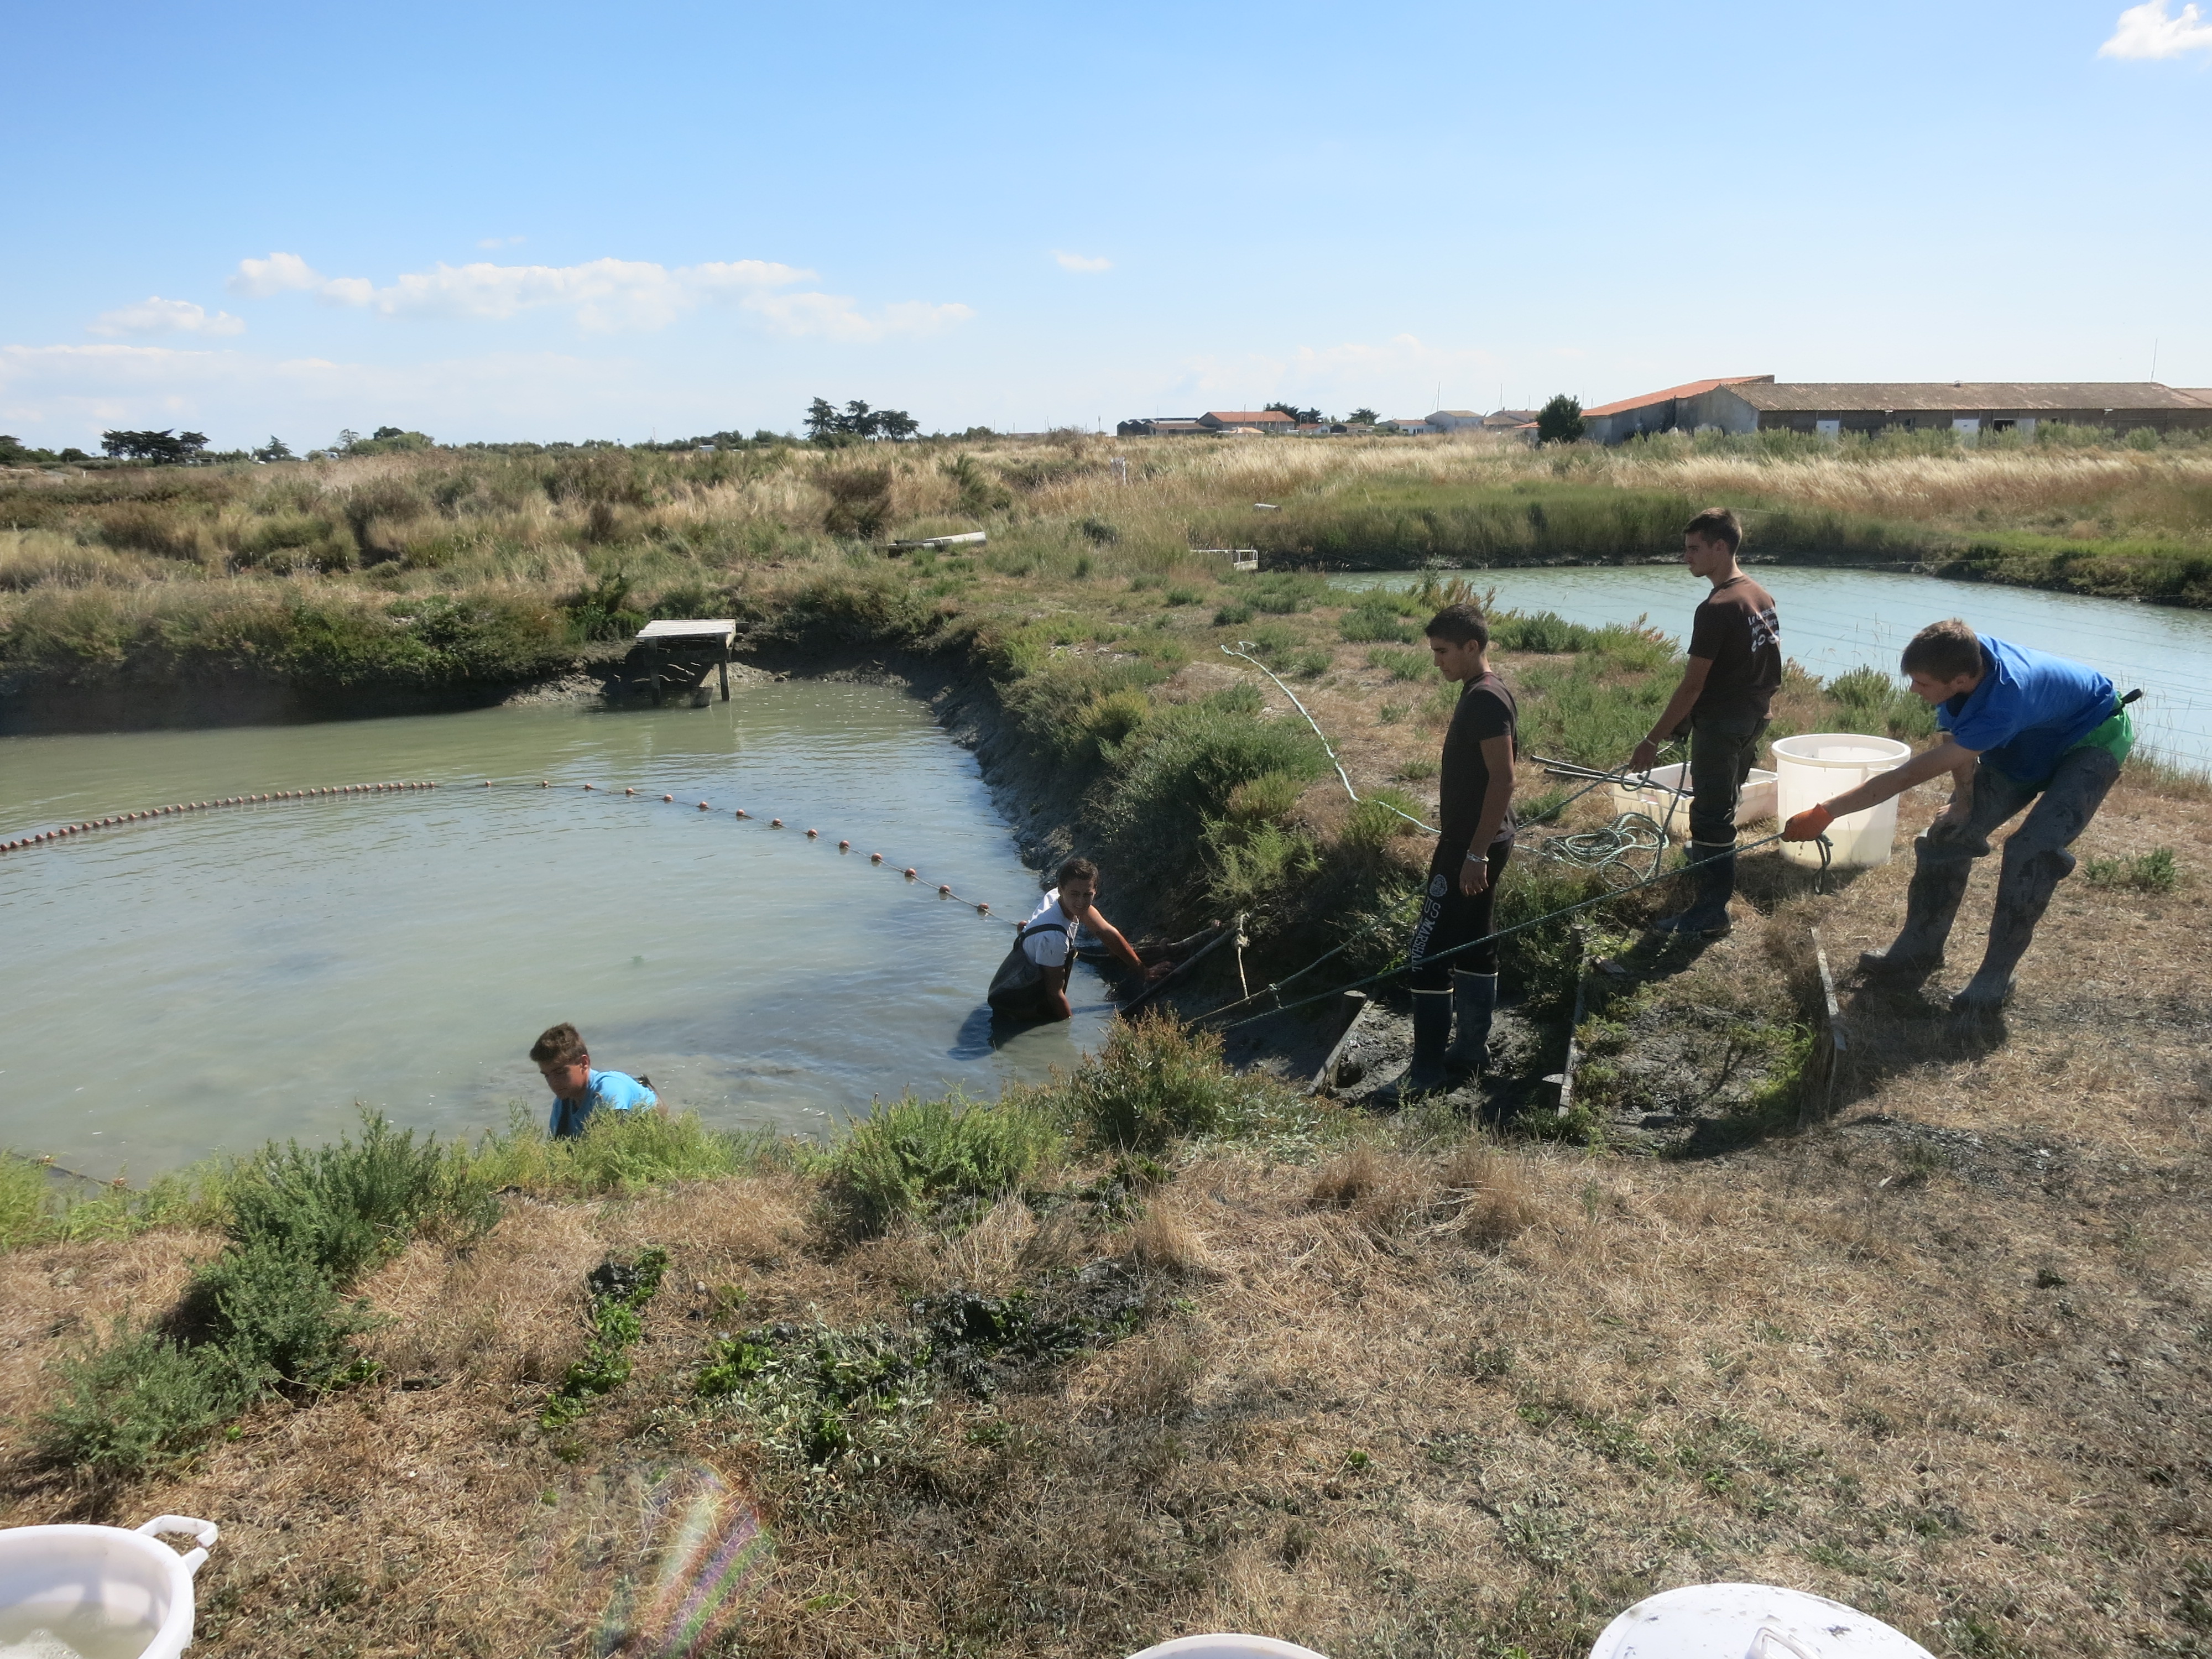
(1325, 1077)
(1566, 1073)
(722, 628)
(966, 539)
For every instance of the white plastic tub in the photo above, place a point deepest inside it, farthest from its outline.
(99, 1592)
(1749, 1621)
(1228, 1647)
(1659, 797)
(1810, 769)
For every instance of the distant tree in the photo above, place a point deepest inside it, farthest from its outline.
(1303, 416)
(826, 424)
(167, 447)
(1561, 420)
(347, 439)
(275, 449)
(1363, 417)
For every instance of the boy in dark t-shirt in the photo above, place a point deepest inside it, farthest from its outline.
(1734, 669)
(1476, 810)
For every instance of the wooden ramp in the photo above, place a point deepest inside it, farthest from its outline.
(683, 649)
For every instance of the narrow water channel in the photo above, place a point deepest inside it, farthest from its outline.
(1833, 621)
(204, 983)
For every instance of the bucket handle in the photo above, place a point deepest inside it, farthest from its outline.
(206, 1531)
(1763, 1644)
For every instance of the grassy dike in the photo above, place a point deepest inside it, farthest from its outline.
(1165, 1346)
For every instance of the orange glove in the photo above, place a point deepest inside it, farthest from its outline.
(1808, 825)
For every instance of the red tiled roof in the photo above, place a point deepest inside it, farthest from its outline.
(1691, 389)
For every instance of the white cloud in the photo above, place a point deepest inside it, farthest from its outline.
(604, 295)
(155, 315)
(1080, 262)
(2146, 31)
(280, 273)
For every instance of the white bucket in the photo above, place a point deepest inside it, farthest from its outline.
(1810, 769)
(99, 1592)
(1228, 1647)
(1749, 1621)
(1665, 799)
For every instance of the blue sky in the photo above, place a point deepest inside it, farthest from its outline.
(562, 222)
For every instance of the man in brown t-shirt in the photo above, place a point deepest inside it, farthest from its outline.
(1734, 669)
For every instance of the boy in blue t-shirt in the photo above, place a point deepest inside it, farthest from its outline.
(2017, 725)
(578, 1090)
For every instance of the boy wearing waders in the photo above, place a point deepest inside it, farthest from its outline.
(1734, 665)
(1031, 983)
(2018, 726)
(1474, 807)
(578, 1090)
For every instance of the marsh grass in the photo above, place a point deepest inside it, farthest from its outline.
(912, 1157)
(269, 1311)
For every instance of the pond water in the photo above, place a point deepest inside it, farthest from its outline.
(1833, 621)
(204, 983)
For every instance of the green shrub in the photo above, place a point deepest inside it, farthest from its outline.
(1232, 616)
(1253, 867)
(1180, 768)
(1875, 701)
(913, 1155)
(618, 1153)
(1382, 817)
(2154, 871)
(280, 1318)
(126, 1404)
(343, 1208)
(1310, 665)
(1266, 799)
(1158, 1080)
(1587, 714)
(1178, 596)
(1547, 633)
(1403, 665)
(269, 1310)
(1374, 620)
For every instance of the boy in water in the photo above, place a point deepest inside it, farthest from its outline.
(1475, 807)
(1734, 665)
(2018, 726)
(1031, 983)
(578, 1090)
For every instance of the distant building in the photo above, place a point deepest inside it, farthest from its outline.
(1685, 408)
(1412, 425)
(1454, 420)
(1758, 403)
(1180, 426)
(1250, 420)
(1509, 420)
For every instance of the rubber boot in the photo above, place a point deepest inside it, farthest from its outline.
(1931, 904)
(2023, 895)
(1474, 1000)
(1425, 1075)
(1715, 878)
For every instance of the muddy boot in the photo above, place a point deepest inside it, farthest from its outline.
(1715, 878)
(2023, 895)
(1425, 1075)
(1931, 903)
(1474, 1000)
